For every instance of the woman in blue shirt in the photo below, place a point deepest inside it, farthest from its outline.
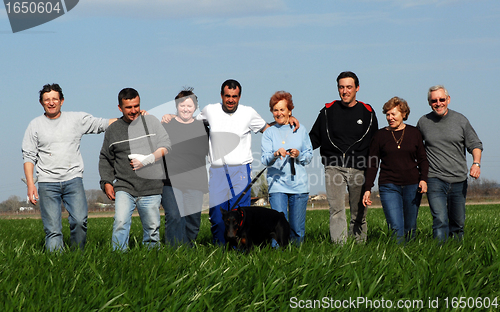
(286, 153)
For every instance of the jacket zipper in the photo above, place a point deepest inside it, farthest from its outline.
(343, 153)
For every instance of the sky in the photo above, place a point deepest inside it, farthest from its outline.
(397, 48)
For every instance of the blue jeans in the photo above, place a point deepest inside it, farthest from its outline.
(224, 194)
(400, 204)
(447, 203)
(294, 207)
(72, 194)
(182, 214)
(149, 211)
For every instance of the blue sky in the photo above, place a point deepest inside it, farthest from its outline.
(397, 48)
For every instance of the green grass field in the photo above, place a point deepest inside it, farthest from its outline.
(378, 275)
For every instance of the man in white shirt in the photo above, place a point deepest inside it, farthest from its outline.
(230, 155)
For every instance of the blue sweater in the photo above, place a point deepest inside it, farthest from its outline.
(279, 177)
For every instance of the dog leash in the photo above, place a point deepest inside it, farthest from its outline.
(248, 187)
(292, 169)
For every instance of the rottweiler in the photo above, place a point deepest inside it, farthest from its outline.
(247, 227)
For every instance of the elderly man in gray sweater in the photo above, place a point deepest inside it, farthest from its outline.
(447, 135)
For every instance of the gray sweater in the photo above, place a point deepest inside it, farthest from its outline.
(53, 145)
(446, 139)
(122, 139)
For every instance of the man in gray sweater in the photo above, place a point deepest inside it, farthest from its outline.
(52, 144)
(447, 134)
(129, 173)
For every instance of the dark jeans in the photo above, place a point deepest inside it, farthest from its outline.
(447, 203)
(182, 214)
(400, 204)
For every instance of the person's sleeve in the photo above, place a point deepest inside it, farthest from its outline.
(472, 140)
(30, 145)
(315, 133)
(106, 161)
(423, 163)
(91, 124)
(257, 123)
(373, 163)
(267, 157)
(306, 153)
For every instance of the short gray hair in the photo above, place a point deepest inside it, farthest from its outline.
(435, 88)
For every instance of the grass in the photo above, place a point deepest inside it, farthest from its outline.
(318, 274)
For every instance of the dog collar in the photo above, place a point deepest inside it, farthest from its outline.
(242, 217)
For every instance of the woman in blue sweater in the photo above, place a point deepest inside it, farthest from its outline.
(286, 153)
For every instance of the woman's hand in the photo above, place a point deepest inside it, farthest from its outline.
(280, 153)
(294, 153)
(366, 199)
(422, 187)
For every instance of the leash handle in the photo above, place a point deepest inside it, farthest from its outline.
(292, 162)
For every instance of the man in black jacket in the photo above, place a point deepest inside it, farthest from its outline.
(343, 131)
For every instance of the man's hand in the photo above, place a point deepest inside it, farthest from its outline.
(30, 182)
(475, 171)
(110, 191)
(32, 194)
(294, 122)
(137, 161)
(167, 118)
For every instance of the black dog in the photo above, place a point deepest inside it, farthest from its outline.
(249, 226)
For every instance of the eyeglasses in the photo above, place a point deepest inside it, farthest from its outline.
(442, 100)
(47, 101)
